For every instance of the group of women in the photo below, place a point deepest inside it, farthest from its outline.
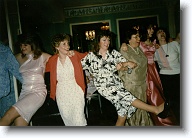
(68, 85)
(142, 51)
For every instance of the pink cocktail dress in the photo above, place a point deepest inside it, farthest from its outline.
(33, 92)
(155, 91)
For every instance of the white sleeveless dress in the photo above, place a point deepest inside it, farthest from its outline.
(33, 92)
(69, 95)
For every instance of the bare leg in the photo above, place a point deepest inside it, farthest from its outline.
(20, 122)
(121, 121)
(150, 108)
(9, 117)
(141, 105)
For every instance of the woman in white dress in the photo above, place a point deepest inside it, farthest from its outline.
(33, 93)
(67, 81)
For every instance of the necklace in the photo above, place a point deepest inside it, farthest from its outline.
(136, 51)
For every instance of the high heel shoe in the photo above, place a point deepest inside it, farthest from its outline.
(165, 113)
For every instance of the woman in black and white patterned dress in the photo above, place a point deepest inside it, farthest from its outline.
(103, 64)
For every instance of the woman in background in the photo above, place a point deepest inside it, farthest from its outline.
(154, 90)
(155, 94)
(135, 81)
(168, 59)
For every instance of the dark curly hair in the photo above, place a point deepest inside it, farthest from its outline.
(166, 32)
(144, 33)
(99, 35)
(129, 33)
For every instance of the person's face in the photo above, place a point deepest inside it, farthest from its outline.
(135, 40)
(150, 31)
(26, 49)
(161, 35)
(104, 43)
(63, 47)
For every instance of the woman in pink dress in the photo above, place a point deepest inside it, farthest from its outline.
(155, 94)
(33, 93)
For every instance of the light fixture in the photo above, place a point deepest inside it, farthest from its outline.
(105, 27)
(90, 35)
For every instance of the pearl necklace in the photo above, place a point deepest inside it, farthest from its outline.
(136, 52)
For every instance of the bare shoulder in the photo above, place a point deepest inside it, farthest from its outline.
(19, 58)
(46, 56)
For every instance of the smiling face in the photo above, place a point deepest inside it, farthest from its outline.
(135, 40)
(26, 49)
(104, 43)
(61, 43)
(63, 47)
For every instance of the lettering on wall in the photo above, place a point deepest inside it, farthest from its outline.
(105, 9)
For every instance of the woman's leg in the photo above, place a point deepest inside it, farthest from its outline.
(19, 121)
(121, 121)
(141, 105)
(9, 117)
(150, 108)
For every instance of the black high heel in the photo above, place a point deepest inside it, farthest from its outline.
(165, 113)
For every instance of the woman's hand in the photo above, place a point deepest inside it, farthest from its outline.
(124, 47)
(71, 53)
(157, 46)
(131, 64)
(119, 66)
(124, 65)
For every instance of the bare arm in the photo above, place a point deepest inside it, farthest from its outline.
(46, 57)
(125, 65)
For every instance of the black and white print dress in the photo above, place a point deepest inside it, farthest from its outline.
(107, 82)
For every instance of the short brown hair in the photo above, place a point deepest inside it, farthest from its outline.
(57, 39)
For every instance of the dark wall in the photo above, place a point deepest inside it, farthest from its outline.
(48, 29)
(54, 28)
(3, 24)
